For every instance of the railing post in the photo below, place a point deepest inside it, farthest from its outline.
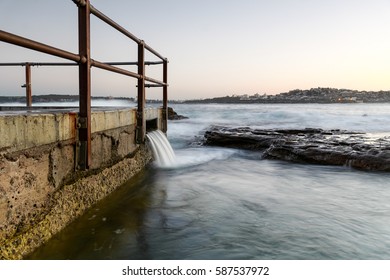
(165, 96)
(141, 121)
(28, 85)
(84, 122)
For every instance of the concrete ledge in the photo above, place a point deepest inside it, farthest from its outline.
(40, 189)
(19, 132)
(104, 120)
(24, 130)
(69, 202)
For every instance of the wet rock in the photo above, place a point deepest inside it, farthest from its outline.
(172, 115)
(309, 145)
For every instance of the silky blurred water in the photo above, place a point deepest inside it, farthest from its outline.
(217, 203)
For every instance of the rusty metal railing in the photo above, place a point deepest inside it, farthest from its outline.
(84, 62)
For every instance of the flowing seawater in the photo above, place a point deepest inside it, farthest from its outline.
(220, 203)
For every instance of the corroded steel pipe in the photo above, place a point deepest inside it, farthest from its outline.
(141, 121)
(75, 64)
(79, 2)
(84, 131)
(155, 81)
(113, 24)
(149, 48)
(152, 85)
(111, 68)
(28, 85)
(30, 44)
(165, 96)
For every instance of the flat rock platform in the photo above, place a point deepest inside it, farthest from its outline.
(310, 145)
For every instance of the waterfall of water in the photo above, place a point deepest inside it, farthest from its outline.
(161, 148)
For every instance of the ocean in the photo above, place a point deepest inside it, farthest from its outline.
(218, 203)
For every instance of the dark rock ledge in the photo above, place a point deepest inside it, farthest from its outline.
(309, 145)
(172, 115)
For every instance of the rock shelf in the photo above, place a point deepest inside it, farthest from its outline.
(310, 145)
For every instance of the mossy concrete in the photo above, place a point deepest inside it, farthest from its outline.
(41, 191)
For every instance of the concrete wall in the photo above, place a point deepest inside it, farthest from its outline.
(40, 191)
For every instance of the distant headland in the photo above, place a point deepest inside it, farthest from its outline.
(313, 95)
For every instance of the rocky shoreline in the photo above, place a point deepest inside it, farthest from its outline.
(172, 115)
(297, 96)
(310, 145)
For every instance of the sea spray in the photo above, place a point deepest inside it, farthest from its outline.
(163, 153)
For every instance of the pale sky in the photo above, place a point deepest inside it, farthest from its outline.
(215, 48)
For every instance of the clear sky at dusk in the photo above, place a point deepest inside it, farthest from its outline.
(215, 48)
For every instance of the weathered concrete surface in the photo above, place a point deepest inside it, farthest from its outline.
(24, 130)
(109, 119)
(330, 147)
(19, 132)
(40, 189)
(55, 209)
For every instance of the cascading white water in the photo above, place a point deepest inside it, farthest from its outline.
(162, 151)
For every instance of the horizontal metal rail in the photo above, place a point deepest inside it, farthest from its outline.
(153, 85)
(33, 45)
(75, 64)
(39, 64)
(149, 48)
(113, 24)
(134, 63)
(118, 70)
(111, 68)
(155, 81)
